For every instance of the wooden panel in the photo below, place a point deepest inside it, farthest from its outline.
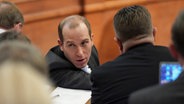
(20, 1)
(43, 16)
(163, 15)
(75, 7)
(37, 6)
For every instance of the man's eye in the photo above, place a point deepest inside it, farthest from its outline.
(70, 45)
(85, 42)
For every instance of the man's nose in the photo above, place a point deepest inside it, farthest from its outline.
(79, 51)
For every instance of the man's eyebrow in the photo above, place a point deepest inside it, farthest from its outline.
(67, 42)
(86, 39)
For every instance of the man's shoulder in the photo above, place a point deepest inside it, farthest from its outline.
(54, 54)
(104, 67)
(152, 47)
(163, 52)
(158, 47)
(158, 52)
(56, 59)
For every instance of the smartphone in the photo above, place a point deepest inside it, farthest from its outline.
(169, 71)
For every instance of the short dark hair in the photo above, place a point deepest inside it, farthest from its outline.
(177, 35)
(74, 21)
(132, 21)
(13, 35)
(9, 15)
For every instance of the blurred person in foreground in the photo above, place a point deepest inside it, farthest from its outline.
(173, 92)
(24, 52)
(15, 53)
(72, 60)
(22, 84)
(138, 65)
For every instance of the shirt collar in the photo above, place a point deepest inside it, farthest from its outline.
(86, 69)
(2, 30)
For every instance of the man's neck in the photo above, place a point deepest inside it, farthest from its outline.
(137, 40)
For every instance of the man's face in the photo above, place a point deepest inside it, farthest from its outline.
(77, 45)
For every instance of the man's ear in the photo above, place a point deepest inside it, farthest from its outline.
(92, 38)
(173, 51)
(154, 32)
(18, 27)
(92, 35)
(119, 44)
(60, 43)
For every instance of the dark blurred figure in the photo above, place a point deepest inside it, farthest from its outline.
(173, 92)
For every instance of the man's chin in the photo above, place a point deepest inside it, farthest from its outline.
(81, 66)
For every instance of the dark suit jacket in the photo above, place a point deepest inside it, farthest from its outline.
(171, 93)
(64, 74)
(137, 68)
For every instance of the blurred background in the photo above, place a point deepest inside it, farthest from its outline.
(42, 18)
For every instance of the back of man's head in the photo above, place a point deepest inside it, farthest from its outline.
(178, 33)
(132, 21)
(9, 15)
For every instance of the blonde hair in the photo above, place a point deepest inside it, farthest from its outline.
(20, 83)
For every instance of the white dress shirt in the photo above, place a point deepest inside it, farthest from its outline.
(86, 69)
(2, 30)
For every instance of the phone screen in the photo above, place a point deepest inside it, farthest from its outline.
(169, 71)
